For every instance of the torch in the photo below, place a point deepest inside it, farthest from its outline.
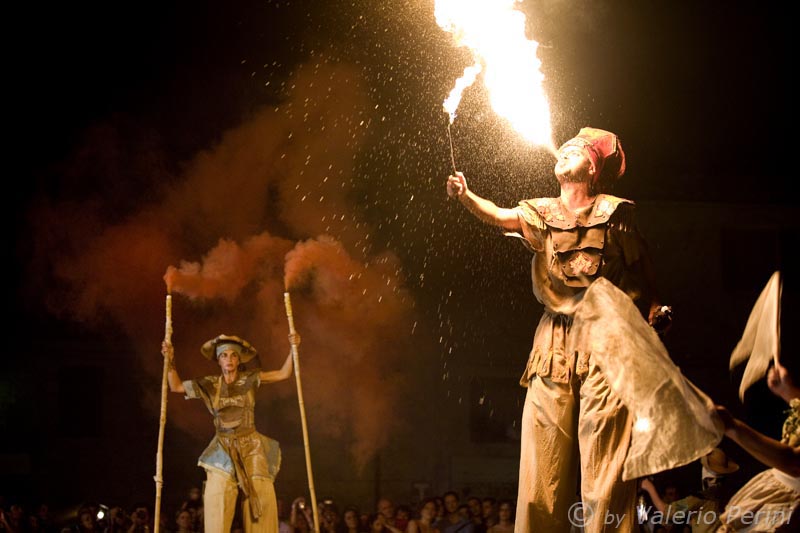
(163, 418)
(295, 359)
(452, 153)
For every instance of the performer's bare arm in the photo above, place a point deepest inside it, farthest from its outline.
(485, 210)
(285, 371)
(769, 451)
(174, 380)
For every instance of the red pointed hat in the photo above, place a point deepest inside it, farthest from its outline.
(605, 151)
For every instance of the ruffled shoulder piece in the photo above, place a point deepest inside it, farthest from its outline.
(531, 214)
(540, 212)
(605, 205)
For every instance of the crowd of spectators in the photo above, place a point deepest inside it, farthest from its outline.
(447, 513)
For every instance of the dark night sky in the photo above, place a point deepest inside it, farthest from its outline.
(694, 88)
(697, 90)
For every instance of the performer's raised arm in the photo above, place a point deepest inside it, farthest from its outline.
(771, 452)
(781, 384)
(285, 371)
(783, 455)
(485, 210)
(174, 380)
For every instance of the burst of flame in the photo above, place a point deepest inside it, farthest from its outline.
(494, 30)
(454, 98)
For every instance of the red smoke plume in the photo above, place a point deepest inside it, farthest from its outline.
(229, 268)
(241, 205)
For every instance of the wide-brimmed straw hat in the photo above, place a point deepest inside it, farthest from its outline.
(718, 462)
(209, 348)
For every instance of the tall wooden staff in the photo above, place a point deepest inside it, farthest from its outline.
(163, 419)
(290, 317)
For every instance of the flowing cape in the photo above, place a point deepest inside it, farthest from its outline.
(674, 422)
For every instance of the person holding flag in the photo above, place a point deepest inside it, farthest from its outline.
(770, 501)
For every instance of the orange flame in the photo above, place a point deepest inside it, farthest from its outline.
(494, 30)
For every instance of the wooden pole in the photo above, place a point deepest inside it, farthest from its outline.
(777, 353)
(295, 359)
(163, 418)
(452, 153)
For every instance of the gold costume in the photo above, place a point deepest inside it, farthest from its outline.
(578, 415)
(237, 455)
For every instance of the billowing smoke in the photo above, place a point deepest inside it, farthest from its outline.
(268, 207)
(229, 268)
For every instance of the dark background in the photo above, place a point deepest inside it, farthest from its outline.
(698, 91)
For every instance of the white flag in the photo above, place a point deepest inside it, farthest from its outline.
(760, 341)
